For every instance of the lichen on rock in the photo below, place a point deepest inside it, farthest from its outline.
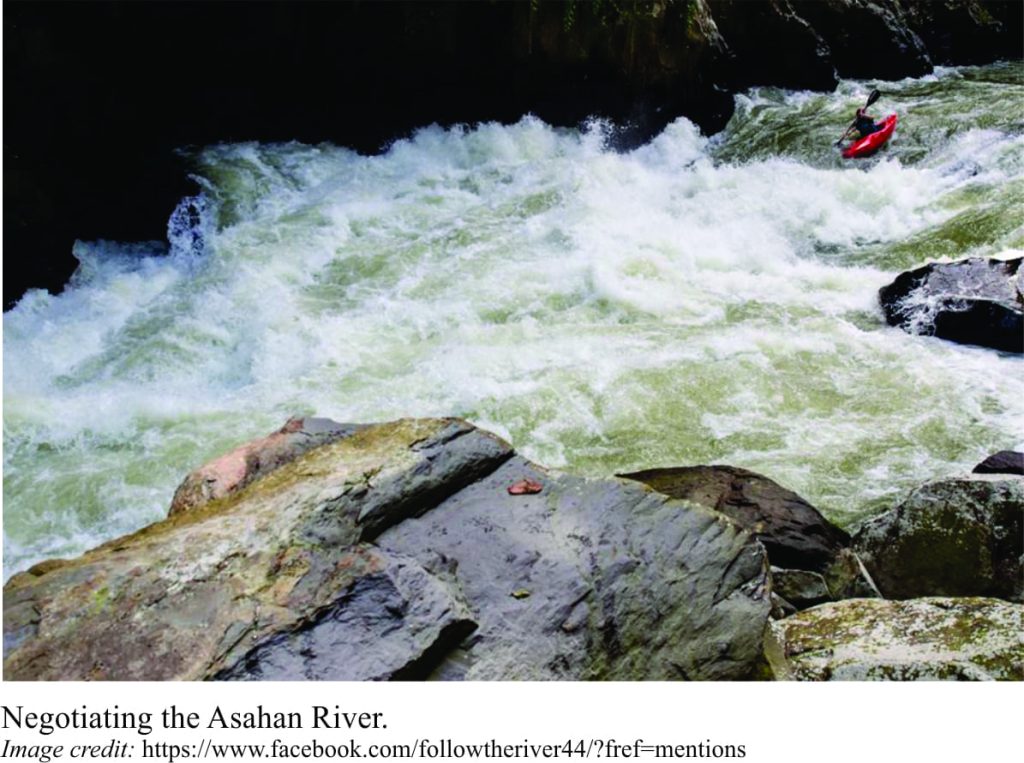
(919, 639)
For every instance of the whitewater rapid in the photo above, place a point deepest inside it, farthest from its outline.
(694, 300)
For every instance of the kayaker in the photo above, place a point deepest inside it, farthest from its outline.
(865, 123)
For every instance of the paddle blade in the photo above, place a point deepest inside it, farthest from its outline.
(875, 95)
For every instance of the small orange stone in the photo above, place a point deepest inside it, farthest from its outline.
(525, 487)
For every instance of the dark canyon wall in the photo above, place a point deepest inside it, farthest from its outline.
(98, 95)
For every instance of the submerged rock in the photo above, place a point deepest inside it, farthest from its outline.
(973, 301)
(794, 532)
(398, 552)
(921, 639)
(956, 537)
(233, 471)
(1003, 462)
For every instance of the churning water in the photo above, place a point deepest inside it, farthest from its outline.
(691, 301)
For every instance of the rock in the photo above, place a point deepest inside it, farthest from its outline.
(794, 532)
(1003, 462)
(847, 578)
(781, 608)
(851, 27)
(388, 626)
(973, 301)
(583, 551)
(956, 537)
(800, 588)
(921, 639)
(233, 471)
(967, 31)
(770, 44)
(205, 587)
(808, 44)
(397, 552)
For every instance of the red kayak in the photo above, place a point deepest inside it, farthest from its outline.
(871, 143)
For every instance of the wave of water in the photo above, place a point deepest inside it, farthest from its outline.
(692, 301)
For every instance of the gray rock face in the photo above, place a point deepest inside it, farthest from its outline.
(958, 537)
(1003, 462)
(593, 579)
(969, 639)
(795, 533)
(388, 626)
(397, 552)
(973, 301)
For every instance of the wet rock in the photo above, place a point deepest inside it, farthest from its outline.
(794, 532)
(801, 588)
(956, 537)
(397, 552)
(231, 472)
(1003, 462)
(392, 623)
(622, 582)
(920, 639)
(973, 301)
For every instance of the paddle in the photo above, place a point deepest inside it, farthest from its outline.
(875, 95)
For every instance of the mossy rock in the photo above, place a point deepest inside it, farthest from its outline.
(958, 537)
(920, 639)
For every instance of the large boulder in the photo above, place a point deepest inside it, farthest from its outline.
(954, 537)
(973, 301)
(921, 639)
(398, 551)
(795, 533)
(593, 579)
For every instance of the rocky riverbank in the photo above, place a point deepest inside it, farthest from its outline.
(429, 548)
